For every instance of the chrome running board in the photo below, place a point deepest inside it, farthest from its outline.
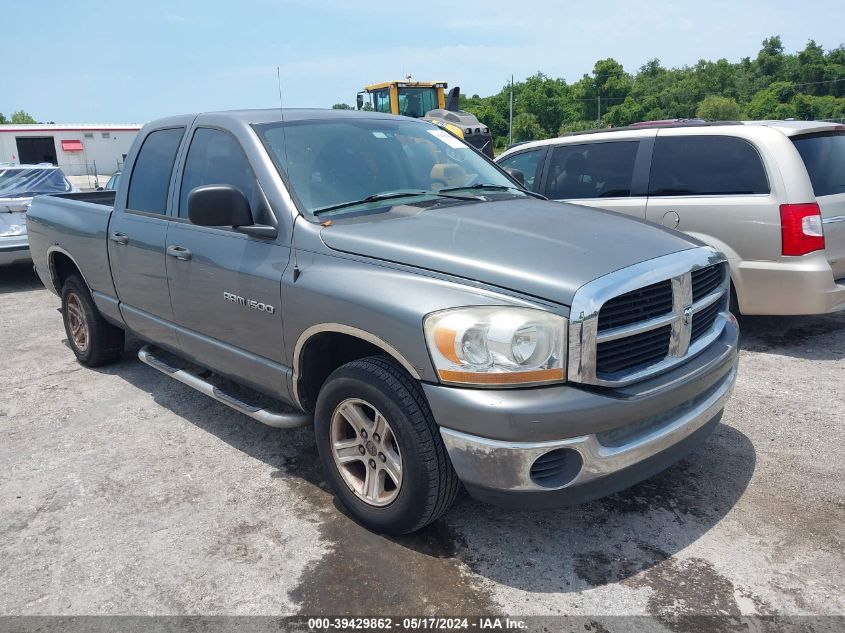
(277, 419)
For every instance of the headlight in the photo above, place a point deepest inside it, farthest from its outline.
(12, 230)
(497, 345)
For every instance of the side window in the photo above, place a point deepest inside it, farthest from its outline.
(151, 174)
(216, 158)
(706, 165)
(592, 170)
(527, 163)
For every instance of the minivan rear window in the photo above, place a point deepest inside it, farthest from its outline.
(706, 166)
(824, 157)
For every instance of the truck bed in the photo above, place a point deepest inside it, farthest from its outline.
(76, 225)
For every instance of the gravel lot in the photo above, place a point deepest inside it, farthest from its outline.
(124, 492)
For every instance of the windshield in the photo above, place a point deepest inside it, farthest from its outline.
(330, 162)
(415, 102)
(17, 182)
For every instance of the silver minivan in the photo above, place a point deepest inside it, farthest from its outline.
(769, 194)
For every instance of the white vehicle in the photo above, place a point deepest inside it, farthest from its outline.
(770, 195)
(19, 184)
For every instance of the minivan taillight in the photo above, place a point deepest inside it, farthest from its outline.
(801, 228)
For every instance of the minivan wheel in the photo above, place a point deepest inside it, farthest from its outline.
(380, 447)
(94, 340)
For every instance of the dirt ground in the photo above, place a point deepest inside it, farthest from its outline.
(124, 492)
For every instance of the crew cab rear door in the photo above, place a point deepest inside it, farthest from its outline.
(225, 286)
(823, 154)
(137, 237)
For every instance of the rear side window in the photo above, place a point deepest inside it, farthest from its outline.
(527, 163)
(706, 166)
(592, 170)
(824, 157)
(151, 174)
(216, 158)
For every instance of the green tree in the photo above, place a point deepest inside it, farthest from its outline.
(770, 59)
(716, 108)
(2, 119)
(526, 127)
(762, 105)
(20, 117)
(774, 84)
(341, 106)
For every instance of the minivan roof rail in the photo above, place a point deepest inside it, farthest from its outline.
(642, 125)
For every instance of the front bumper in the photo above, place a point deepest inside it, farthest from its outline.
(606, 440)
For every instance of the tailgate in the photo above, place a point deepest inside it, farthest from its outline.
(823, 154)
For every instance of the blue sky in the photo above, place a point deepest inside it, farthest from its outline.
(127, 62)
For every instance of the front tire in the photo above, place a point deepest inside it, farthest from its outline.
(381, 449)
(94, 340)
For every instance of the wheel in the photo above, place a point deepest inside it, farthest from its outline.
(380, 447)
(93, 340)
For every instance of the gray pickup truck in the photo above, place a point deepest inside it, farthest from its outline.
(375, 276)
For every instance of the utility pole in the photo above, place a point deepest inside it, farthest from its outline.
(598, 117)
(510, 119)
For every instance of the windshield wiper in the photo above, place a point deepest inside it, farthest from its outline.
(496, 188)
(390, 195)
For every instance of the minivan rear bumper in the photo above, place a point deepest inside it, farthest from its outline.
(799, 285)
(606, 440)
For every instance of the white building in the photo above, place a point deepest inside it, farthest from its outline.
(74, 148)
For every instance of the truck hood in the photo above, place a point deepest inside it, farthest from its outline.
(544, 249)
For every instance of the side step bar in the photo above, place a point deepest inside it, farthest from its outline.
(276, 419)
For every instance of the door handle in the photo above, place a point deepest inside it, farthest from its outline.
(179, 252)
(119, 238)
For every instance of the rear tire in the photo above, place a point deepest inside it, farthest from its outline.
(94, 340)
(380, 448)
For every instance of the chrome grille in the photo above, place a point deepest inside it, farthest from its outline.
(637, 305)
(636, 322)
(702, 321)
(640, 349)
(706, 280)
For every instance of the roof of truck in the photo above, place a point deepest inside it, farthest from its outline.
(298, 114)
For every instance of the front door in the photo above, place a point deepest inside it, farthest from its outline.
(137, 239)
(225, 286)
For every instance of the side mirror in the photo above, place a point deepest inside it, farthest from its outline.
(359, 101)
(225, 205)
(218, 205)
(516, 174)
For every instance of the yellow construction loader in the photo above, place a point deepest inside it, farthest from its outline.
(428, 100)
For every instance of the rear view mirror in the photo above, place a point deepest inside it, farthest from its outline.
(218, 205)
(516, 174)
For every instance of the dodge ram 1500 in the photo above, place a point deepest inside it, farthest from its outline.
(375, 276)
